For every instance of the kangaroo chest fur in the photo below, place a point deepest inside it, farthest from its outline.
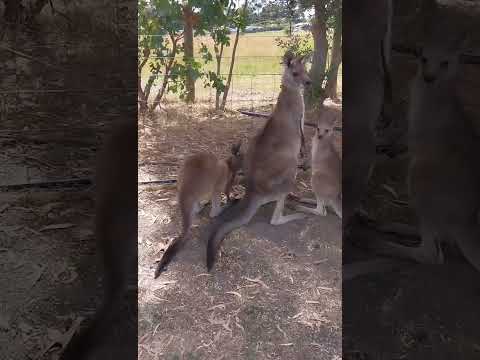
(443, 175)
(325, 158)
(287, 121)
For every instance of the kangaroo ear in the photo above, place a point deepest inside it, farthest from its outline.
(304, 58)
(288, 58)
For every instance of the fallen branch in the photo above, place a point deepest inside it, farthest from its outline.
(26, 56)
(266, 116)
(47, 184)
(472, 59)
(158, 182)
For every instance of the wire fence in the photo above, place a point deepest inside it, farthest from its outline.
(60, 84)
(256, 75)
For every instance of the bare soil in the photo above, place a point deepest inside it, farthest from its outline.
(416, 311)
(275, 291)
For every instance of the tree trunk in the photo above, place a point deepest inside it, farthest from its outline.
(320, 51)
(232, 63)
(37, 8)
(13, 9)
(332, 76)
(168, 68)
(188, 44)
(218, 92)
(142, 96)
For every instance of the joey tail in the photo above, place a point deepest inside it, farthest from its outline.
(170, 253)
(179, 242)
(237, 214)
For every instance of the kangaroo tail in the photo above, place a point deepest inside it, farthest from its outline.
(169, 254)
(179, 242)
(239, 213)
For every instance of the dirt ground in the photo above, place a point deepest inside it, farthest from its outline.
(275, 292)
(415, 311)
(51, 125)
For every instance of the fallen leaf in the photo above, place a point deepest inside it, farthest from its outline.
(57, 226)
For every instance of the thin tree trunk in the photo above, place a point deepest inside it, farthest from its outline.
(188, 48)
(320, 51)
(13, 9)
(141, 94)
(232, 63)
(332, 76)
(166, 76)
(218, 92)
(37, 8)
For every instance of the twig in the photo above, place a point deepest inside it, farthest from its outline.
(47, 184)
(266, 116)
(158, 182)
(26, 56)
(257, 281)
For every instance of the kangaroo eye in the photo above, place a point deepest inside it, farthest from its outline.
(295, 73)
(444, 64)
(424, 60)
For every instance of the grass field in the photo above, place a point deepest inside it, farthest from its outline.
(256, 74)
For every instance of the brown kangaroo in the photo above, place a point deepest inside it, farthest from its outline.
(116, 233)
(444, 176)
(326, 172)
(271, 160)
(202, 177)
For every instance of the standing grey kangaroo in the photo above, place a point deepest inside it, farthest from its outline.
(202, 177)
(326, 172)
(366, 59)
(116, 234)
(444, 176)
(271, 160)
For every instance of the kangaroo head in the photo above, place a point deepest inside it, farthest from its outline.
(325, 124)
(324, 131)
(439, 55)
(295, 74)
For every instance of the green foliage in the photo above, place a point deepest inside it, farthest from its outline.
(160, 26)
(225, 17)
(160, 47)
(299, 44)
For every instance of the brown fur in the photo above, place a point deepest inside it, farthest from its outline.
(444, 176)
(203, 177)
(326, 171)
